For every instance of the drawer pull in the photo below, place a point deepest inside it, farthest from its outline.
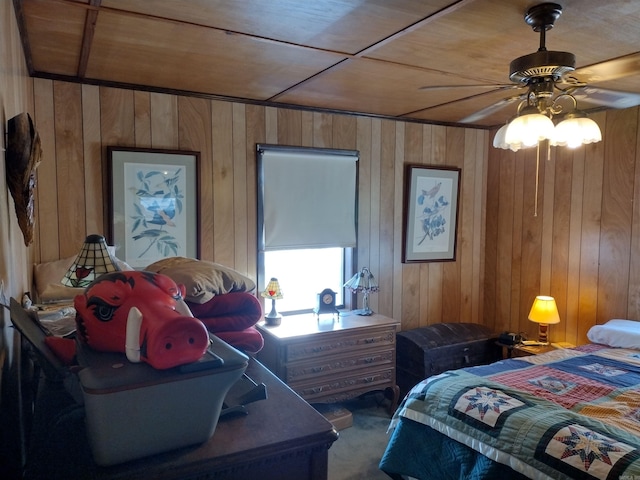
(316, 369)
(369, 340)
(369, 379)
(369, 360)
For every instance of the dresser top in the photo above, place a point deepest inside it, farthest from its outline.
(308, 324)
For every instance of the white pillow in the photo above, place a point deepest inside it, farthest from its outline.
(616, 333)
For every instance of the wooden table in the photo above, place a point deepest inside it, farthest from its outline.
(282, 437)
(332, 359)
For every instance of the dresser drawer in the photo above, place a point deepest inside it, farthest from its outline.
(340, 388)
(370, 359)
(338, 344)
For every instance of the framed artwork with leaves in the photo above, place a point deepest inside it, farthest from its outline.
(153, 207)
(430, 213)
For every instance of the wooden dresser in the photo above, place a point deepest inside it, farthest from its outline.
(332, 359)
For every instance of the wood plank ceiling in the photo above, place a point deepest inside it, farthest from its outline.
(365, 56)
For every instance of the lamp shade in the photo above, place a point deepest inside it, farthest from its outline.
(544, 310)
(272, 290)
(575, 131)
(527, 130)
(363, 281)
(92, 261)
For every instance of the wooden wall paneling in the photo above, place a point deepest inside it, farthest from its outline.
(531, 249)
(516, 317)
(70, 172)
(223, 208)
(505, 244)
(397, 266)
(365, 145)
(164, 121)
(489, 253)
(590, 234)
(547, 169)
(241, 184)
(615, 237)
(634, 263)
(255, 133)
(117, 117)
(344, 128)
(194, 133)
(563, 166)
(306, 128)
(322, 129)
(570, 318)
(379, 135)
(289, 127)
(452, 297)
(117, 128)
(95, 169)
(425, 158)
(384, 262)
(411, 299)
(479, 219)
(142, 118)
(466, 224)
(47, 242)
(435, 291)
(271, 125)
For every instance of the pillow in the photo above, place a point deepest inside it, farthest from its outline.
(202, 279)
(616, 333)
(48, 275)
(46, 280)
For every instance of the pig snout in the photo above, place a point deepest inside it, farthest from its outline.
(176, 341)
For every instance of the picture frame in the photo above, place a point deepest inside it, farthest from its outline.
(430, 218)
(153, 204)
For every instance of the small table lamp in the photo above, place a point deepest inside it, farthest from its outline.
(363, 282)
(274, 293)
(544, 312)
(92, 261)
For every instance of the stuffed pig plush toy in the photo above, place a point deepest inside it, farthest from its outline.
(143, 315)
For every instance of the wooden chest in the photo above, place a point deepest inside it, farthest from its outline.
(332, 360)
(426, 351)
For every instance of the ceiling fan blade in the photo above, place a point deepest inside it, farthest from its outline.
(495, 107)
(610, 69)
(606, 98)
(482, 85)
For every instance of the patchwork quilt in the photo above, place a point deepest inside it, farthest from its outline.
(570, 413)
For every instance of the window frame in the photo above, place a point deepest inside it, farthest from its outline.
(349, 266)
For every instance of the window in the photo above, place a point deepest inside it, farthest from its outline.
(306, 221)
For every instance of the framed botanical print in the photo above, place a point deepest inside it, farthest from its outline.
(153, 205)
(430, 213)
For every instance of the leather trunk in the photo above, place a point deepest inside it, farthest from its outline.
(426, 351)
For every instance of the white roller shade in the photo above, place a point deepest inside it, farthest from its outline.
(309, 198)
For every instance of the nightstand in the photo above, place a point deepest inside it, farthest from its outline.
(329, 360)
(527, 350)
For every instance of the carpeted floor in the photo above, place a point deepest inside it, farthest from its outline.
(357, 451)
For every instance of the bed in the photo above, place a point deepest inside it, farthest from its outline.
(569, 413)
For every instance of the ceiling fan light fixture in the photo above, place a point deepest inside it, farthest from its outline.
(529, 129)
(575, 130)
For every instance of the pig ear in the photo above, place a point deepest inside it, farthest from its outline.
(182, 289)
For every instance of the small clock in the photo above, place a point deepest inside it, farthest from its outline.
(326, 302)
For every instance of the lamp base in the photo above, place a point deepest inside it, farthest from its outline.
(363, 312)
(272, 321)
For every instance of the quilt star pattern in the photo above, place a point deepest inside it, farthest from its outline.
(573, 414)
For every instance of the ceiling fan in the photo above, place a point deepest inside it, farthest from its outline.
(546, 73)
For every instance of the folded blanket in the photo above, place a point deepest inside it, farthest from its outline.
(232, 317)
